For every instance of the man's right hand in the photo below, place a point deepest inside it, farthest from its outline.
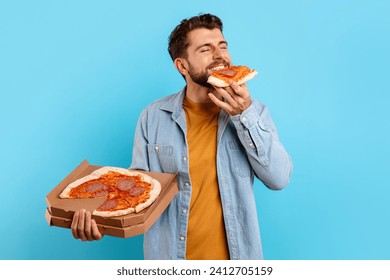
(84, 227)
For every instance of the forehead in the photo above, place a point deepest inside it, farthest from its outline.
(203, 36)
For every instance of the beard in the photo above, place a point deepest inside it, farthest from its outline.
(199, 77)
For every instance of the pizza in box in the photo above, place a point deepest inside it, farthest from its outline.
(126, 191)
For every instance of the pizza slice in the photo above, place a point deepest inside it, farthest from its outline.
(239, 74)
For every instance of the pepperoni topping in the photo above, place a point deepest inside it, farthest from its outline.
(96, 187)
(136, 191)
(107, 205)
(227, 72)
(125, 184)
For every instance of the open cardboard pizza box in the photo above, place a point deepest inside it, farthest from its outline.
(59, 212)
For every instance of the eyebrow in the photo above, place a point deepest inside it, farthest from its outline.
(209, 44)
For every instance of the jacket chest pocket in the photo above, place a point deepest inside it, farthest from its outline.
(240, 160)
(161, 158)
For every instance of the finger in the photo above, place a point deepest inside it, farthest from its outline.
(229, 90)
(87, 226)
(235, 101)
(226, 95)
(74, 224)
(95, 231)
(221, 104)
(240, 90)
(81, 226)
(242, 96)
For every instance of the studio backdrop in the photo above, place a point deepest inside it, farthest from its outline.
(75, 75)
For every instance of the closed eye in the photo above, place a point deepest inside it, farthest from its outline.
(204, 50)
(223, 46)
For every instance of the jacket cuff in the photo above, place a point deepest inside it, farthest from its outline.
(247, 119)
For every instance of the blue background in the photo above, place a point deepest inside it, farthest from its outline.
(74, 76)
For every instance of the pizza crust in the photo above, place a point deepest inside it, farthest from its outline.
(154, 193)
(107, 214)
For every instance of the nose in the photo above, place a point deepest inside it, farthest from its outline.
(217, 53)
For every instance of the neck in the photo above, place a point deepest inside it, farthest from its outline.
(199, 94)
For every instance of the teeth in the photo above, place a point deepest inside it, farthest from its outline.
(217, 68)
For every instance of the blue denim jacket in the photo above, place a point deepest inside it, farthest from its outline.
(247, 146)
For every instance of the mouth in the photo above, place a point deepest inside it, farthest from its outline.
(218, 67)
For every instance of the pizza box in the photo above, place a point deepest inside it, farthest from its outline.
(123, 232)
(60, 211)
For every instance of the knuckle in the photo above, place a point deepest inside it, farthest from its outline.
(97, 236)
(81, 234)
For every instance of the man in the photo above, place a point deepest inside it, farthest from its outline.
(217, 140)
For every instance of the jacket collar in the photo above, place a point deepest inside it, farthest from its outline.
(175, 104)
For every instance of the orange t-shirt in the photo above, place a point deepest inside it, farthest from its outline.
(206, 236)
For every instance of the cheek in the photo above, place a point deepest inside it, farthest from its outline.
(227, 56)
(200, 64)
(204, 61)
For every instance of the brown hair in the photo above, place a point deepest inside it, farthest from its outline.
(178, 42)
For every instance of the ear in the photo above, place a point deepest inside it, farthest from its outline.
(181, 65)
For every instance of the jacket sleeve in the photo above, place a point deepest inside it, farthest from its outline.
(267, 156)
(140, 154)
